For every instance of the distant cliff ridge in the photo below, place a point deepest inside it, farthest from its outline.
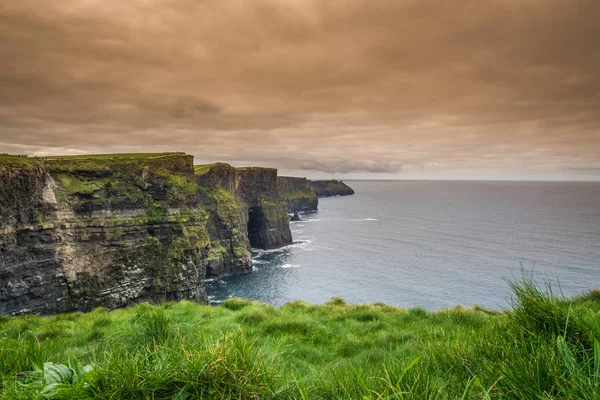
(111, 230)
(298, 194)
(331, 188)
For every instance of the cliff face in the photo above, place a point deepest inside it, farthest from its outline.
(298, 194)
(331, 188)
(79, 233)
(268, 221)
(227, 220)
(82, 232)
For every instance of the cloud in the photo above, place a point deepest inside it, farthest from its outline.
(345, 86)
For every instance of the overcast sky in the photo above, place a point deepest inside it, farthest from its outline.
(434, 89)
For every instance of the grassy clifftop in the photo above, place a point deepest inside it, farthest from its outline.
(96, 182)
(7, 160)
(544, 347)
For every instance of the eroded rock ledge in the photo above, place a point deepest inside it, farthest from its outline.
(111, 230)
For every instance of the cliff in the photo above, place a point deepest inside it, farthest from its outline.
(268, 221)
(82, 232)
(227, 220)
(298, 194)
(331, 188)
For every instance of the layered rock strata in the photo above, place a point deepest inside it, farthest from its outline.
(268, 221)
(298, 194)
(82, 232)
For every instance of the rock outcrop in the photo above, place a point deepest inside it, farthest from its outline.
(331, 188)
(82, 232)
(227, 220)
(268, 221)
(298, 194)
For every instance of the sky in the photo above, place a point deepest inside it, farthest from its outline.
(368, 89)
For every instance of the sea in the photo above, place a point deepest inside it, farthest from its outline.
(432, 244)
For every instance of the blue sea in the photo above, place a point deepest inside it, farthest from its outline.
(433, 244)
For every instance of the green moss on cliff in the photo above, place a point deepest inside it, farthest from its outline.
(192, 238)
(222, 203)
(301, 195)
(124, 181)
(204, 168)
(224, 223)
(74, 184)
(216, 251)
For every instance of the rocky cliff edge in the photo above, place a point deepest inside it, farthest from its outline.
(110, 230)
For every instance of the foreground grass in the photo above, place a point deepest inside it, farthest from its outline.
(546, 347)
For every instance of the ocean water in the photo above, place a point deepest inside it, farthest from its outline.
(433, 244)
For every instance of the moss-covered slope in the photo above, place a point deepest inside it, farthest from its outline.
(298, 194)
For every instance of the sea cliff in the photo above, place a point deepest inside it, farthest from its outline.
(245, 210)
(331, 188)
(298, 194)
(81, 232)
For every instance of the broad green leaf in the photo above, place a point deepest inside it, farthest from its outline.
(57, 373)
(57, 391)
(77, 368)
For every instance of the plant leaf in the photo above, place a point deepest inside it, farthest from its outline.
(565, 353)
(57, 391)
(57, 373)
(596, 359)
(77, 368)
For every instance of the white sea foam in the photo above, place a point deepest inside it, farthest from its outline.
(280, 249)
(364, 219)
(290, 266)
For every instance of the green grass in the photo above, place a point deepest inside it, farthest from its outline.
(306, 194)
(123, 180)
(204, 168)
(544, 347)
(18, 161)
(111, 156)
